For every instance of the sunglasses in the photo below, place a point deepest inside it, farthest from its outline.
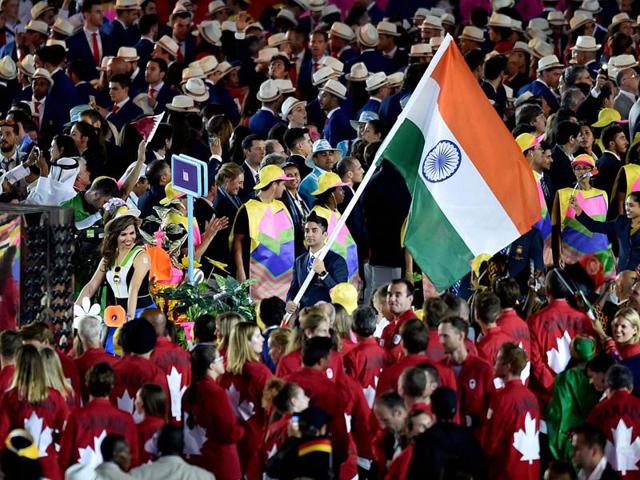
(116, 274)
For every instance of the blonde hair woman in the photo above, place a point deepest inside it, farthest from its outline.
(278, 341)
(245, 381)
(313, 323)
(31, 405)
(224, 325)
(55, 376)
(625, 334)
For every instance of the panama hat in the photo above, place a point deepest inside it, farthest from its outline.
(216, 6)
(586, 43)
(342, 30)
(579, 19)
(556, 18)
(288, 16)
(387, 28)
(192, 71)
(322, 145)
(420, 50)
(196, 89)
(207, 64)
(52, 42)
(335, 88)
(183, 103)
(540, 48)
(395, 79)
(549, 62)
(335, 64)
(28, 65)
(472, 33)
(620, 18)
(540, 24)
(38, 26)
(127, 5)
(285, 86)
(367, 36)
(128, 54)
(431, 21)
(421, 13)
(316, 6)
(623, 61)
(327, 181)
(500, 20)
(169, 45)
(364, 117)
(358, 73)
(289, 104)
(63, 27)
(591, 6)
(270, 174)
(268, 91)
(39, 8)
(266, 54)
(277, 39)
(211, 31)
(42, 73)
(375, 81)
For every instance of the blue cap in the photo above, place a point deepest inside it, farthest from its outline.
(365, 116)
(75, 112)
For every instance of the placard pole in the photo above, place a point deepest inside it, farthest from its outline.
(190, 236)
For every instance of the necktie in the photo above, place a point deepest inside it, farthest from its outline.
(152, 93)
(96, 48)
(36, 106)
(310, 263)
(115, 108)
(180, 56)
(315, 66)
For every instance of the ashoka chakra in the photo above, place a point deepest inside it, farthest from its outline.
(441, 162)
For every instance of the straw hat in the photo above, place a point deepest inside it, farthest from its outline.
(288, 105)
(277, 39)
(128, 54)
(420, 50)
(421, 13)
(192, 71)
(38, 26)
(521, 47)
(285, 85)
(335, 88)
(216, 6)
(387, 28)
(266, 54)
(196, 89)
(472, 33)
(287, 15)
(500, 20)
(208, 64)
(183, 103)
(367, 36)
(323, 74)
(516, 25)
(333, 63)
(395, 79)
(28, 65)
(549, 62)
(556, 18)
(330, 9)
(540, 48)
(435, 42)
(268, 91)
(52, 42)
(621, 62)
(316, 6)
(433, 22)
(358, 73)
(498, 4)
(8, 68)
(169, 45)
(620, 18)
(270, 174)
(39, 8)
(586, 43)
(63, 27)
(327, 181)
(448, 19)
(225, 68)
(127, 5)
(211, 31)
(579, 19)
(591, 6)
(538, 24)
(375, 81)
(342, 30)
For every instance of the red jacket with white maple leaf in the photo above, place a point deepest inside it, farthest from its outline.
(489, 345)
(390, 375)
(292, 362)
(364, 364)
(133, 371)
(211, 430)
(245, 393)
(618, 416)
(175, 362)
(512, 324)
(475, 384)
(87, 427)
(391, 339)
(88, 359)
(44, 421)
(552, 330)
(510, 436)
(146, 430)
(435, 350)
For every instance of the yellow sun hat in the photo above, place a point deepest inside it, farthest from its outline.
(345, 294)
(328, 180)
(170, 194)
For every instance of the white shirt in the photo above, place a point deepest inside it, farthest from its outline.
(597, 472)
(332, 112)
(253, 172)
(613, 153)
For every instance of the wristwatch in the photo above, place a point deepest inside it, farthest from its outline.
(323, 275)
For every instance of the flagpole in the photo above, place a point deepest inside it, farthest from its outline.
(367, 178)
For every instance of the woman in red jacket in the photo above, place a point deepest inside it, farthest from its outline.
(56, 378)
(31, 405)
(150, 416)
(211, 429)
(244, 381)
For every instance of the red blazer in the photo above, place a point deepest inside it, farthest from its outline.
(245, 393)
(44, 421)
(132, 372)
(619, 416)
(70, 371)
(399, 467)
(211, 440)
(145, 431)
(364, 363)
(435, 350)
(87, 427)
(292, 362)
(512, 324)
(88, 359)
(510, 436)
(391, 339)
(391, 374)
(490, 343)
(175, 362)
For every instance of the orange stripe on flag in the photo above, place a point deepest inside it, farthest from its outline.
(486, 140)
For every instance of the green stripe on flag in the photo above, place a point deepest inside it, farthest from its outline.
(433, 242)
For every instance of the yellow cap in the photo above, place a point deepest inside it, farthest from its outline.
(345, 294)
(270, 174)
(527, 140)
(328, 180)
(31, 452)
(477, 262)
(607, 116)
(170, 194)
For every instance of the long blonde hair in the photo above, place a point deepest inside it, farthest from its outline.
(55, 375)
(224, 326)
(30, 379)
(240, 351)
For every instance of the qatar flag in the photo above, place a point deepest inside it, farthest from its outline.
(147, 126)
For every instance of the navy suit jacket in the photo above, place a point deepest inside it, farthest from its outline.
(318, 290)
(390, 108)
(79, 48)
(53, 120)
(375, 61)
(338, 128)
(129, 111)
(315, 115)
(144, 47)
(85, 90)
(163, 97)
(541, 90)
(608, 166)
(349, 56)
(399, 60)
(64, 89)
(249, 182)
(262, 121)
(121, 36)
(370, 106)
(305, 76)
(219, 95)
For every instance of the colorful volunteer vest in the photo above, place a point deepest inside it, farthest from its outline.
(344, 244)
(272, 249)
(544, 224)
(632, 175)
(576, 239)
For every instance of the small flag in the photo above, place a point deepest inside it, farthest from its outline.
(472, 189)
(147, 126)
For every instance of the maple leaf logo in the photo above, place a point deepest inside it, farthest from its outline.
(194, 438)
(176, 390)
(526, 371)
(92, 456)
(42, 436)
(558, 358)
(272, 452)
(347, 421)
(370, 392)
(125, 402)
(244, 410)
(622, 454)
(526, 442)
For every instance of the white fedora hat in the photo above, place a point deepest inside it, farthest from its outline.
(472, 33)
(38, 26)
(8, 68)
(183, 103)
(127, 5)
(540, 48)
(579, 19)
(211, 31)
(549, 62)
(287, 15)
(620, 18)
(289, 104)
(556, 18)
(335, 64)
(500, 20)
(208, 64)
(169, 45)
(433, 22)
(285, 86)
(334, 87)
(586, 43)
(358, 73)
(268, 91)
(395, 79)
(39, 8)
(421, 50)
(323, 74)
(128, 54)
(266, 54)
(367, 36)
(62, 27)
(42, 73)
(342, 30)
(225, 68)
(387, 28)
(376, 81)
(521, 47)
(621, 62)
(277, 39)
(216, 6)
(28, 65)
(591, 6)
(194, 70)
(196, 89)
(316, 6)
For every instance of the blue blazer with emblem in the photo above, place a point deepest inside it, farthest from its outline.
(79, 48)
(338, 128)
(375, 61)
(318, 290)
(541, 90)
(262, 121)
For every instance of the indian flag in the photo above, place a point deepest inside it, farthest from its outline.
(472, 189)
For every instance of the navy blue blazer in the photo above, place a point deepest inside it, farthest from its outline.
(338, 128)
(262, 121)
(9, 50)
(144, 47)
(122, 36)
(348, 56)
(390, 108)
(79, 48)
(53, 120)
(249, 182)
(138, 84)
(375, 61)
(370, 106)
(129, 111)
(219, 95)
(163, 97)
(399, 60)
(64, 89)
(305, 77)
(85, 90)
(318, 289)
(315, 115)
(25, 94)
(628, 245)
(608, 168)
(539, 89)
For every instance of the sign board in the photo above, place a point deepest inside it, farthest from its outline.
(189, 175)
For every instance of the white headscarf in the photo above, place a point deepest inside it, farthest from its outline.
(58, 186)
